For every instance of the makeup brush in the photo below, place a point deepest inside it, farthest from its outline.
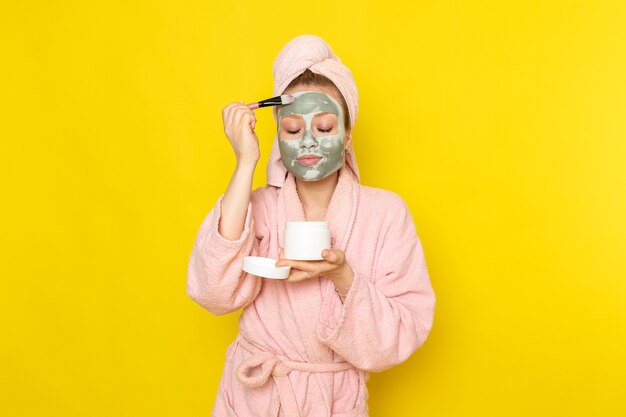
(274, 101)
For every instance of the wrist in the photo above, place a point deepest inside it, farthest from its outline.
(246, 164)
(343, 281)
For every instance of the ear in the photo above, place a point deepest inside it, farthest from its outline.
(348, 140)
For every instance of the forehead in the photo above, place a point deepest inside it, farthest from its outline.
(310, 102)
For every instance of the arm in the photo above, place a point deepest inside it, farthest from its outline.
(385, 319)
(215, 279)
(239, 122)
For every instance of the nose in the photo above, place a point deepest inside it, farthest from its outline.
(308, 140)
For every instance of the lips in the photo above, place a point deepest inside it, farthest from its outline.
(309, 160)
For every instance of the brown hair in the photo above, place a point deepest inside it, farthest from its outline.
(308, 77)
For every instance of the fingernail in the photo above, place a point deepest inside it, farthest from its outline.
(325, 253)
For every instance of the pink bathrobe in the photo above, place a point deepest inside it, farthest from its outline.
(300, 350)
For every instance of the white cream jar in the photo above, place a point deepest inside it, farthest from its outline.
(305, 241)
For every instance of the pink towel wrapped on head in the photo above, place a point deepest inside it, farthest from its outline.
(302, 350)
(312, 53)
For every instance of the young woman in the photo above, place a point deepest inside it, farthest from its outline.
(306, 344)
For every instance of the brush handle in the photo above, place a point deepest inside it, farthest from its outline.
(274, 101)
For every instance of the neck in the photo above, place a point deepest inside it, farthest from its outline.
(315, 195)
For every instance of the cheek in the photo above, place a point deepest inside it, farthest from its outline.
(289, 147)
(332, 146)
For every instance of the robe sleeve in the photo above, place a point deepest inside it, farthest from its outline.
(215, 279)
(384, 318)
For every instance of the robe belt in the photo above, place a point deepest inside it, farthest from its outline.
(278, 367)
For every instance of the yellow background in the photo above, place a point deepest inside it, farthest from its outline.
(501, 123)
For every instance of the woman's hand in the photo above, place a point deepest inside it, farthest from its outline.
(239, 122)
(334, 266)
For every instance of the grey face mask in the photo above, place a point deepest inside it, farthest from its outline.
(310, 157)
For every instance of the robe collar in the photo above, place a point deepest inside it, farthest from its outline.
(340, 214)
(309, 294)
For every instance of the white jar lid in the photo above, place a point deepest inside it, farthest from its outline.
(265, 267)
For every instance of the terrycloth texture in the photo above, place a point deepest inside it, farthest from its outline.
(313, 53)
(289, 332)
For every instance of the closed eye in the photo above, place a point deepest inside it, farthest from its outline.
(325, 131)
(293, 132)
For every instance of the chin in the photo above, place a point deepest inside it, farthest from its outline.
(322, 178)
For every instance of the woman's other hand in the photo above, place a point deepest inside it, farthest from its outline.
(334, 266)
(239, 122)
